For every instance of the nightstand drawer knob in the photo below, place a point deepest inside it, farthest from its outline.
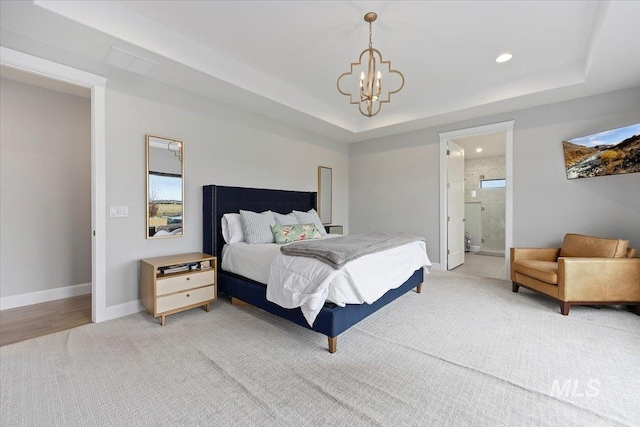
(188, 295)
(188, 278)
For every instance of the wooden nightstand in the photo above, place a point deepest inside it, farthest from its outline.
(334, 229)
(167, 287)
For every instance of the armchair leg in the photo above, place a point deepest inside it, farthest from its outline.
(514, 287)
(564, 308)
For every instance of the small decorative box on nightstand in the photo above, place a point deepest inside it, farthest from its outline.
(171, 284)
(333, 229)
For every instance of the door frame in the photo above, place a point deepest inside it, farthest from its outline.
(53, 70)
(506, 127)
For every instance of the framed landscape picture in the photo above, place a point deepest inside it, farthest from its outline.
(611, 152)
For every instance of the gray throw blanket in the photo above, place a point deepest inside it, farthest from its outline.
(338, 251)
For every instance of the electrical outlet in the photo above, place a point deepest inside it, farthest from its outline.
(118, 211)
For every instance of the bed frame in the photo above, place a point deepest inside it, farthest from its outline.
(332, 320)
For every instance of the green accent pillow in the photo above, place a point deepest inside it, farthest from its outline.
(292, 233)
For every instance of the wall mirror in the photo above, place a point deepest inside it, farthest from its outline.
(165, 187)
(325, 194)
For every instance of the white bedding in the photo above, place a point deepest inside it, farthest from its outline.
(308, 283)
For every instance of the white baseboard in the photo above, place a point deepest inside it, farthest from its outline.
(38, 297)
(124, 309)
(475, 248)
(436, 266)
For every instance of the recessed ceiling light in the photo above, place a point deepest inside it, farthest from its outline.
(504, 57)
(478, 150)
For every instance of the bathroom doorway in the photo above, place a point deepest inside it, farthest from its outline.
(488, 198)
(485, 203)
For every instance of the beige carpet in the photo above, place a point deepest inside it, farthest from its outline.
(467, 351)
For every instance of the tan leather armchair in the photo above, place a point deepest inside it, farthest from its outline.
(585, 270)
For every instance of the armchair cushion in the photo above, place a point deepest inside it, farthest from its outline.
(577, 245)
(547, 271)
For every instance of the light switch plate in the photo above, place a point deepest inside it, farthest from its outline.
(118, 211)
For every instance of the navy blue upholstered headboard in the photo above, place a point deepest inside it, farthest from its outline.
(219, 200)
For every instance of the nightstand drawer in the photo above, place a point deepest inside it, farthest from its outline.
(184, 281)
(183, 299)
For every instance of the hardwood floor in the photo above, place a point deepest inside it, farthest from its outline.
(23, 323)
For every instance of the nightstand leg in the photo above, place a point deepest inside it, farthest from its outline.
(208, 307)
(162, 320)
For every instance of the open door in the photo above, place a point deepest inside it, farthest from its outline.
(455, 205)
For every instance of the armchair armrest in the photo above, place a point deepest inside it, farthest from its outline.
(599, 279)
(538, 254)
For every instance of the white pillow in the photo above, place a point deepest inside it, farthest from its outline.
(310, 217)
(232, 228)
(257, 226)
(288, 219)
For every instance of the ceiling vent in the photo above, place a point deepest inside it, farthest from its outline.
(127, 61)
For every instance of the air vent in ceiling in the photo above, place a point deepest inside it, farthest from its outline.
(127, 61)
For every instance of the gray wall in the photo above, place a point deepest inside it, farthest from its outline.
(222, 146)
(394, 180)
(45, 189)
(395, 189)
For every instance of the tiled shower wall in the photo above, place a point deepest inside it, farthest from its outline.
(493, 199)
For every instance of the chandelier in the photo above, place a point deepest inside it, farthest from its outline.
(370, 98)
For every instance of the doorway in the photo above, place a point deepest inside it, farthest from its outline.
(485, 192)
(498, 231)
(46, 205)
(32, 64)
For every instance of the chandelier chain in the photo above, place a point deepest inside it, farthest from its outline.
(369, 34)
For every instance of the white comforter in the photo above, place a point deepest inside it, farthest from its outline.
(308, 283)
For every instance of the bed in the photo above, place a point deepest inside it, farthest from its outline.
(332, 320)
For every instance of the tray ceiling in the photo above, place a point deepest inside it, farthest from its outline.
(282, 59)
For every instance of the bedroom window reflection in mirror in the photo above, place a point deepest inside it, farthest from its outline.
(325, 196)
(165, 187)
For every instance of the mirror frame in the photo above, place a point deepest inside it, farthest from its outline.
(322, 209)
(169, 141)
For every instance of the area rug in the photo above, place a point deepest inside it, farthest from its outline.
(466, 351)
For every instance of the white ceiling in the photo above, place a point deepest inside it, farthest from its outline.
(492, 144)
(282, 58)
